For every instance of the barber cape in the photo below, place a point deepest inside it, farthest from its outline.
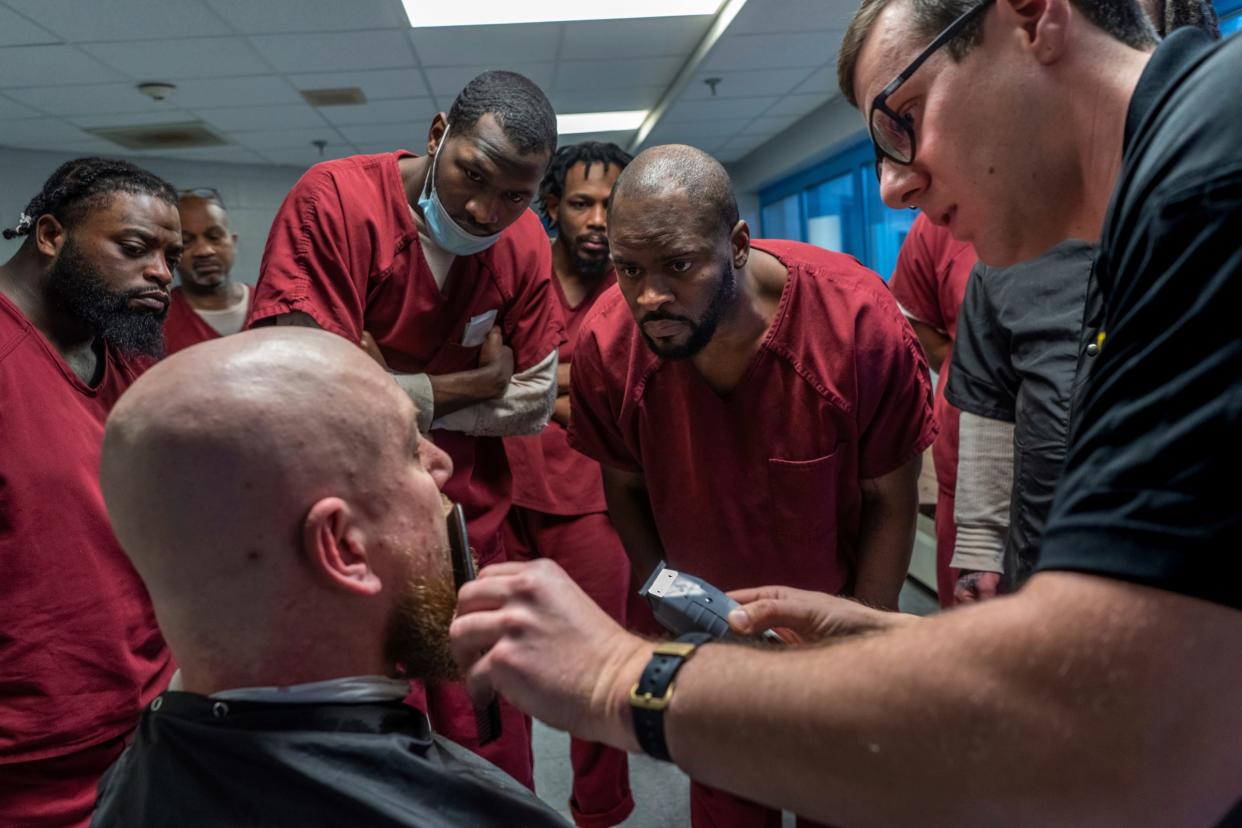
(199, 761)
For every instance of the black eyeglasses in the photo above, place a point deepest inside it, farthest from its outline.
(209, 193)
(892, 135)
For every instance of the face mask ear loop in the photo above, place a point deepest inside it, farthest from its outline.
(429, 184)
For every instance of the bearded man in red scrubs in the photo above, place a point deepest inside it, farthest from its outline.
(435, 265)
(82, 303)
(558, 495)
(759, 407)
(208, 304)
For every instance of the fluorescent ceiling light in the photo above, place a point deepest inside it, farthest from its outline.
(600, 121)
(423, 13)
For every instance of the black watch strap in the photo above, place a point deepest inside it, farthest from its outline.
(654, 690)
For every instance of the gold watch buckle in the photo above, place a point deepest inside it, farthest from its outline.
(649, 701)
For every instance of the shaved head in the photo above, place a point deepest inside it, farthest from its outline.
(676, 169)
(273, 492)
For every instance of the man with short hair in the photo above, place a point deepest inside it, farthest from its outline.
(82, 302)
(558, 496)
(1104, 692)
(291, 619)
(435, 265)
(207, 303)
(760, 407)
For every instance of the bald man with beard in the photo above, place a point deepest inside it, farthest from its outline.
(274, 494)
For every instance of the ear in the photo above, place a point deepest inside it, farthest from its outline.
(336, 549)
(49, 235)
(739, 242)
(550, 203)
(235, 240)
(1043, 24)
(439, 125)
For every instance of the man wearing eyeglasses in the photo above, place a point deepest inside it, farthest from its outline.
(1105, 691)
(208, 303)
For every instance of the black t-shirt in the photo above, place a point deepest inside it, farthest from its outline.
(1150, 488)
(1022, 344)
(201, 763)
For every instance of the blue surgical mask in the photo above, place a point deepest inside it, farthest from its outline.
(445, 232)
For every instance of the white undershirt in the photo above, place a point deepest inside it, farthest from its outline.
(228, 321)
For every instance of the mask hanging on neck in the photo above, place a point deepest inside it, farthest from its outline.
(445, 232)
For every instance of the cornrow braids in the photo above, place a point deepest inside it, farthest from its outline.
(78, 184)
(1168, 15)
(587, 152)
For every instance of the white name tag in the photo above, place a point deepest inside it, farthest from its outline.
(477, 328)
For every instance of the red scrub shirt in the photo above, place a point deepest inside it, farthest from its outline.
(762, 486)
(345, 251)
(80, 653)
(930, 284)
(548, 475)
(184, 327)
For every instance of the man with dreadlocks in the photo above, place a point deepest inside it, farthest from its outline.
(558, 495)
(82, 303)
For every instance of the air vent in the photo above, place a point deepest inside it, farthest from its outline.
(345, 96)
(161, 136)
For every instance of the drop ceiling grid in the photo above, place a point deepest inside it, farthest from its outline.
(628, 64)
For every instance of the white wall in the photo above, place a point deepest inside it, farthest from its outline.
(821, 133)
(251, 192)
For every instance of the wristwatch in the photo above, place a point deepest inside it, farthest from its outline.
(653, 692)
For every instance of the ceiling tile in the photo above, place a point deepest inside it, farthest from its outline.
(39, 132)
(638, 38)
(394, 111)
(588, 75)
(305, 156)
(621, 139)
(11, 110)
(486, 46)
(411, 136)
(314, 52)
(286, 116)
(269, 139)
(96, 99)
(273, 16)
(227, 154)
(745, 84)
(208, 57)
(376, 84)
(798, 105)
(758, 17)
(822, 81)
(16, 30)
(771, 51)
(51, 66)
(607, 100)
(770, 124)
(122, 19)
(447, 81)
(109, 119)
(717, 108)
(706, 136)
(255, 90)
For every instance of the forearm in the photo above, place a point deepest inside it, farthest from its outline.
(560, 412)
(886, 535)
(935, 343)
(629, 507)
(523, 408)
(1054, 704)
(453, 392)
(984, 490)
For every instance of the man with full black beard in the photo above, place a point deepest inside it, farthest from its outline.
(759, 407)
(81, 306)
(298, 621)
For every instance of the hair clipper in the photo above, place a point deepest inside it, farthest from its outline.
(684, 603)
(486, 719)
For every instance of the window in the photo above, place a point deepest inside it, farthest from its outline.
(836, 205)
(1230, 14)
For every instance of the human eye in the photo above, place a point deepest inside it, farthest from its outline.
(681, 265)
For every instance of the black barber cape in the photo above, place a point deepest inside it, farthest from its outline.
(201, 763)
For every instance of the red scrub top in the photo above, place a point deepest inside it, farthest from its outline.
(80, 653)
(930, 283)
(344, 250)
(549, 476)
(762, 486)
(184, 327)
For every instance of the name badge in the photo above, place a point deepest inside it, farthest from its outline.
(477, 328)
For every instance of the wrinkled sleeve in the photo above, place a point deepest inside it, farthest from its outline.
(914, 282)
(594, 429)
(310, 264)
(982, 379)
(532, 325)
